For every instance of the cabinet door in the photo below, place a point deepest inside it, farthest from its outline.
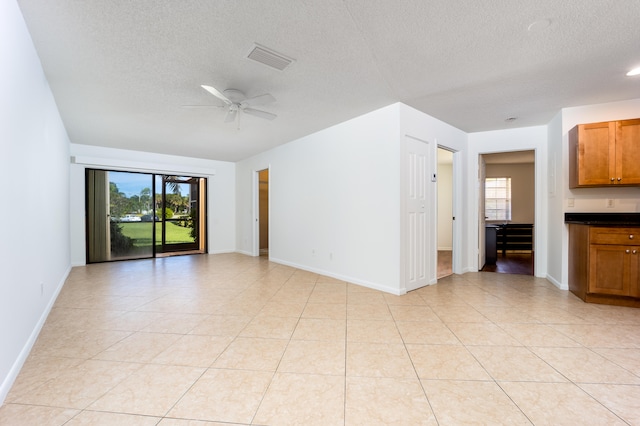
(628, 152)
(609, 269)
(596, 154)
(634, 272)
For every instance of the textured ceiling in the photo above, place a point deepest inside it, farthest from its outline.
(121, 71)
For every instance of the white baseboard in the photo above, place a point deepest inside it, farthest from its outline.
(24, 353)
(248, 253)
(557, 283)
(223, 251)
(352, 280)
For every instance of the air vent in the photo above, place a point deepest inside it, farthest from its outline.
(269, 57)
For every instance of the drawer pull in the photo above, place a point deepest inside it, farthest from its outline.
(634, 251)
(619, 179)
(631, 237)
(627, 251)
(612, 179)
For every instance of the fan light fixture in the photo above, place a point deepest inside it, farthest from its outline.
(236, 102)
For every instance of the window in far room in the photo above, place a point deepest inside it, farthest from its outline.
(498, 198)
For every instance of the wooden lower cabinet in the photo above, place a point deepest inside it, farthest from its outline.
(604, 264)
(614, 269)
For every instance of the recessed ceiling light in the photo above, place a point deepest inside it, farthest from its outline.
(539, 25)
(635, 71)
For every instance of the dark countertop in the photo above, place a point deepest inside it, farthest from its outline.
(609, 219)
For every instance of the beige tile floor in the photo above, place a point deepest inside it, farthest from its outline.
(230, 339)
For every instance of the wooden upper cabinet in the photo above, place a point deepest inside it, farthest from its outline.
(628, 152)
(603, 154)
(592, 154)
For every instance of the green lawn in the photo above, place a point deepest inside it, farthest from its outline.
(140, 232)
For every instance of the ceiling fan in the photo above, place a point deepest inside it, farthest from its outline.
(236, 103)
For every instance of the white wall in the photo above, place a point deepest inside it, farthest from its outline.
(557, 252)
(522, 189)
(335, 196)
(333, 201)
(221, 190)
(584, 199)
(521, 139)
(34, 248)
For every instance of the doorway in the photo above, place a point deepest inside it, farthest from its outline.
(509, 212)
(445, 215)
(263, 212)
(179, 206)
(131, 215)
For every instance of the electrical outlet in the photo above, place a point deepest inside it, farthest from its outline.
(571, 202)
(610, 203)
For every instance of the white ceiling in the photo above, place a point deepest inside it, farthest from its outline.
(121, 70)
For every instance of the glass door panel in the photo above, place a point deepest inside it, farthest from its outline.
(177, 204)
(119, 215)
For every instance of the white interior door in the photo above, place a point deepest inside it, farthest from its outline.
(482, 173)
(418, 212)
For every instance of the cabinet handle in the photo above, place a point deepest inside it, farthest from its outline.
(612, 179)
(619, 179)
(627, 251)
(631, 236)
(634, 252)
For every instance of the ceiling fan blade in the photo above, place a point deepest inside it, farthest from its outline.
(231, 115)
(258, 100)
(202, 106)
(217, 94)
(261, 114)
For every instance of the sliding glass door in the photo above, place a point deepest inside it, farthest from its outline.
(142, 215)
